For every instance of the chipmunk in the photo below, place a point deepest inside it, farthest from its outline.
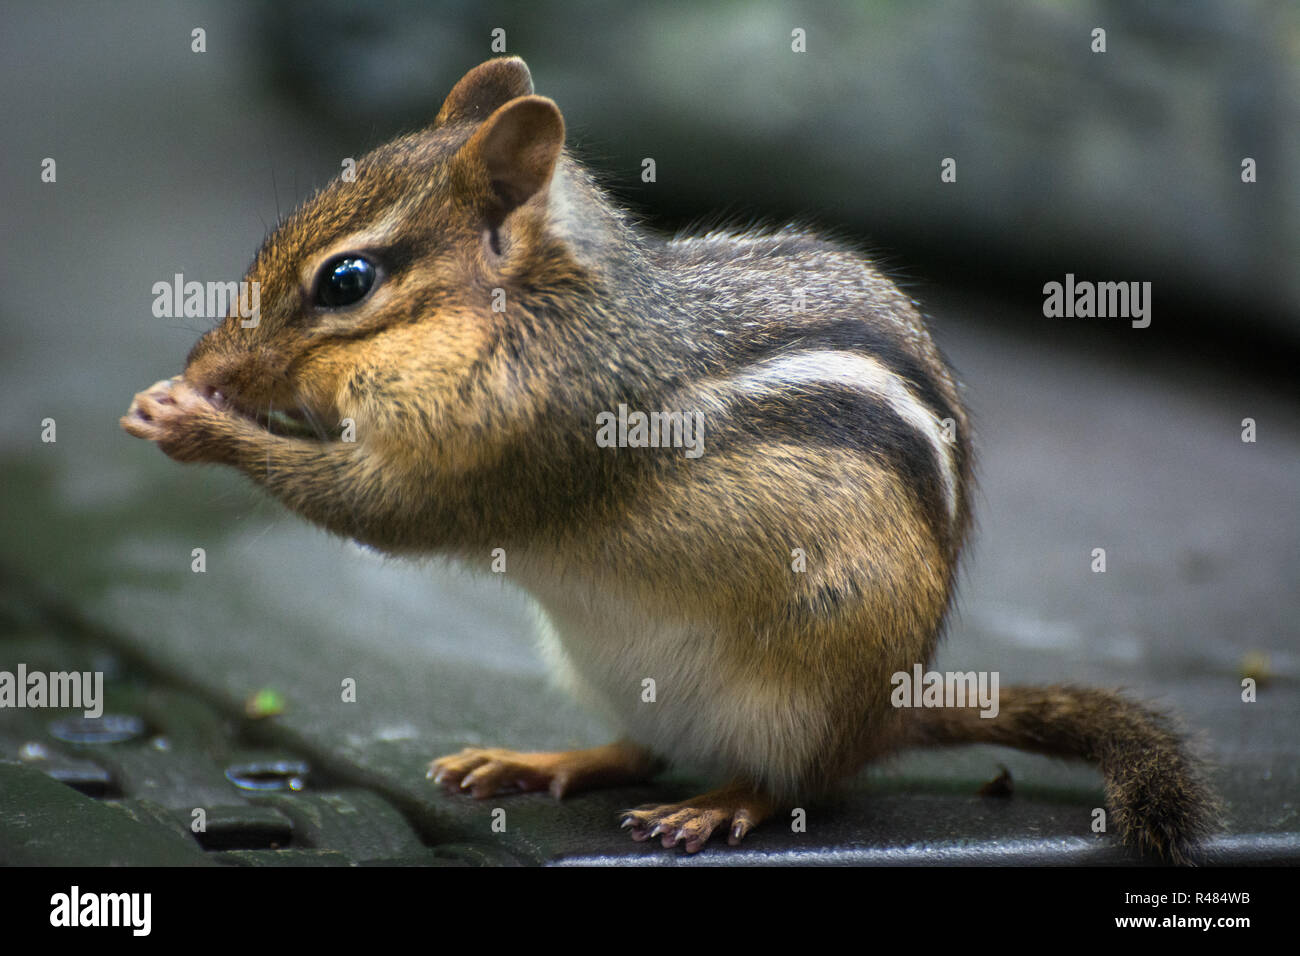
(473, 303)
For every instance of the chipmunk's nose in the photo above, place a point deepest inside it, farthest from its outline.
(222, 378)
(204, 366)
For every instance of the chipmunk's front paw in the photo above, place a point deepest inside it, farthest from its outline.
(185, 425)
(693, 821)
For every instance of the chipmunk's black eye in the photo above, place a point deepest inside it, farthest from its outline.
(345, 281)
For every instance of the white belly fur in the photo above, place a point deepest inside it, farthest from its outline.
(602, 648)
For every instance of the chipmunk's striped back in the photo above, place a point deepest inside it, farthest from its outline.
(829, 351)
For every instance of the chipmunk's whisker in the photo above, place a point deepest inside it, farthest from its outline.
(312, 419)
(290, 423)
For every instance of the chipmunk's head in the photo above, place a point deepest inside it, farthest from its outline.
(383, 299)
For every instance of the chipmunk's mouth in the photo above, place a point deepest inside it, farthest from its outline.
(286, 421)
(291, 422)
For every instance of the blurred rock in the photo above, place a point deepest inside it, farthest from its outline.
(1121, 165)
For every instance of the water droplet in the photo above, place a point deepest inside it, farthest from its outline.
(269, 775)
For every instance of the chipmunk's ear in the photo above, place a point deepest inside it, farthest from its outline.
(512, 156)
(484, 88)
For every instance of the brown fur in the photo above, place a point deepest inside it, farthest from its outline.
(474, 430)
(1159, 798)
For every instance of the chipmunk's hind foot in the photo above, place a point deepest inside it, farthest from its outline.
(739, 808)
(485, 771)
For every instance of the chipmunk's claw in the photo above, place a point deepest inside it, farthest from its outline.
(692, 822)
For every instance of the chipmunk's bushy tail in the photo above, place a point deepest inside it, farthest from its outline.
(1156, 789)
